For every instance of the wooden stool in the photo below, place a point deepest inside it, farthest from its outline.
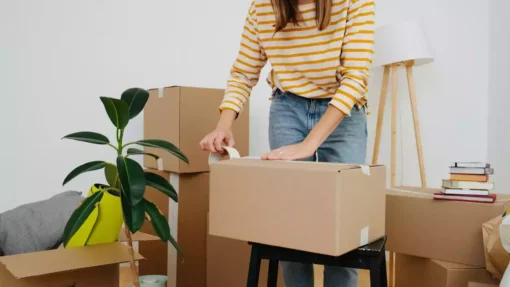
(371, 257)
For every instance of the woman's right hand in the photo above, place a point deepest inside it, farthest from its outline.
(222, 135)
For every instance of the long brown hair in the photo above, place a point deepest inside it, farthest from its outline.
(288, 11)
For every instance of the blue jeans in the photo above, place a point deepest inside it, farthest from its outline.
(291, 119)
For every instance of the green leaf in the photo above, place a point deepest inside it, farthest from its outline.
(176, 246)
(89, 166)
(164, 145)
(117, 111)
(158, 220)
(135, 151)
(134, 215)
(132, 179)
(136, 99)
(89, 137)
(161, 184)
(80, 215)
(110, 172)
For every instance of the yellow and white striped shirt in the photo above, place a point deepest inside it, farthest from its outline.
(333, 63)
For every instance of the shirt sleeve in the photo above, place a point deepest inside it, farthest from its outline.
(245, 72)
(356, 56)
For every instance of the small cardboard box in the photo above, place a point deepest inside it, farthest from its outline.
(317, 207)
(188, 224)
(411, 271)
(183, 116)
(444, 230)
(96, 266)
(228, 261)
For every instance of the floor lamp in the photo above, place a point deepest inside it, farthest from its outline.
(402, 44)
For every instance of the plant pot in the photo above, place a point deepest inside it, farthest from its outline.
(152, 281)
(104, 223)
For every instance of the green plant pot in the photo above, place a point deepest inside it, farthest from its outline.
(152, 281)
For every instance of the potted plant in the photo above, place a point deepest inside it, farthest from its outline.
(126, 178)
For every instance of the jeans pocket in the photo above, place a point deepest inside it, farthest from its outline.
(278, 95)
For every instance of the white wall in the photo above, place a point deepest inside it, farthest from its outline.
(499, 93)
(57, 57)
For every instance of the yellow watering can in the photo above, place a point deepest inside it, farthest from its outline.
(104, 223)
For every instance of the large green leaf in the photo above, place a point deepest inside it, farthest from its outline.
(158, 220)
(117, 111)
(89, 137)
(132, 179)
(135, 151)
(89, 166)
(134, 215)
(80, 215)
(164, 145)
(110, 172)
(136, 99)
(161, 184)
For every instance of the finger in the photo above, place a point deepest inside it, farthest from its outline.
(202, 146)
(218, 142)
(230, 142)
(210, 144)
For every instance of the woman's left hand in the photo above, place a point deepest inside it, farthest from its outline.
(298, 151)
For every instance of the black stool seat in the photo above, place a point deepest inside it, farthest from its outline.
(371, 257)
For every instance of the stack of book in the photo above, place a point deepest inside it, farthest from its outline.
(469, 181)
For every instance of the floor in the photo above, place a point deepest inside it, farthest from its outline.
(364, 279)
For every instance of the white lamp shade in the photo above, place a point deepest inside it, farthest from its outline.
(402, 41)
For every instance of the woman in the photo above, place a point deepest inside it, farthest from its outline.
(320, 52)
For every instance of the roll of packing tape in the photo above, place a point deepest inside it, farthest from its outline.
(231, 153)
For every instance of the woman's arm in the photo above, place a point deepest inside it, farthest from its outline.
(355, 59)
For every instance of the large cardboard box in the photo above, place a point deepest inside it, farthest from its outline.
(228, 261)
(188, 224)
(411, 271)
(444, 230)
(183, 116)
(317, 207)
(96, 265)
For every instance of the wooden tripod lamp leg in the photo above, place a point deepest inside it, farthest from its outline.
(380, 114)
(416, 121)
(393, 124)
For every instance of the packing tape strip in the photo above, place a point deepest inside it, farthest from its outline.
(234, 154)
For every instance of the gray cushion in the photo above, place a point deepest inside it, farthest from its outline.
(37, 226)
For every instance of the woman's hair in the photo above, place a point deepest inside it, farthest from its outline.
(288, 11)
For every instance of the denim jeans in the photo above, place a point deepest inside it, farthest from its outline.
(291, 119)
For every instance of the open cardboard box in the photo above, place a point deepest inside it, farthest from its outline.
(96, 265)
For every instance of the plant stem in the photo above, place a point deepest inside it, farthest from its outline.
(121, 136)
(134, 272)
(113, 146)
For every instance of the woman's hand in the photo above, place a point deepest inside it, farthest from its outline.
(222, 135)
(298, 151)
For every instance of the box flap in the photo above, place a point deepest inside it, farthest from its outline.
(318, 166)
(139, 236)
(451, 265)
(60, 260)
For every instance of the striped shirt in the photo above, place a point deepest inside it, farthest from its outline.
(333, 63)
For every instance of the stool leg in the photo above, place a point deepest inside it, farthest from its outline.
(384, 275)
(254, 271)
(272, 280)
(375, 273)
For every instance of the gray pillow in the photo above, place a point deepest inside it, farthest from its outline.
(37, 226)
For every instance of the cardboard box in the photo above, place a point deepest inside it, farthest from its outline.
(444, 230)
(183, 116)
(411, 271)
(228, 261)
(474, 284)
(188, 224)
(324, 208)
(96, 266)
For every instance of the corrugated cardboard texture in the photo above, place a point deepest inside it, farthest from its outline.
(317, 207)
(191, 234)
(103, 276)
(228, 261)
(61, 260)
(183, 116)
(414, 271)
(444, 230)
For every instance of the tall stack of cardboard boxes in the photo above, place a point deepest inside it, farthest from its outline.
(438, 243)
(183, 116)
